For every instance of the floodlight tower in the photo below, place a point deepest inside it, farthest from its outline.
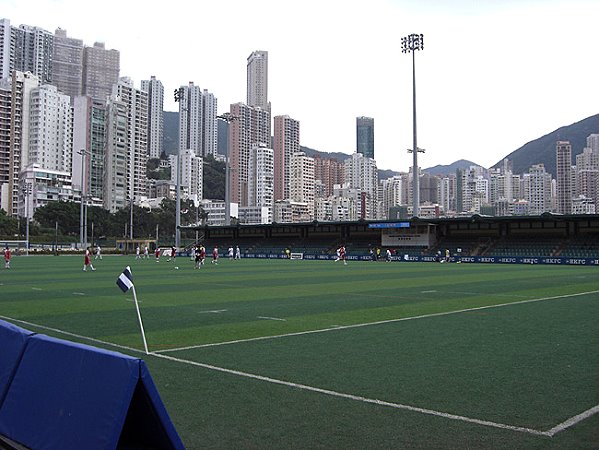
(179, 96)
(227, 117)
(409, 44)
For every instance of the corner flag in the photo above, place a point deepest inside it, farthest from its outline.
(125, 280)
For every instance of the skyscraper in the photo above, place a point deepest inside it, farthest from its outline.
(261, 178)
(33, 51)
(286, 143)
(100, 71)
(155, 91)
(564, 177)
(7, 48)
(257, 79)
(67, 64)
(301, 184)
(365, 136)
(126, 146)
(197, 120)
(251, 127)
(51, 133)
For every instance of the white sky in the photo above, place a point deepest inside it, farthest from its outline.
(493, 75)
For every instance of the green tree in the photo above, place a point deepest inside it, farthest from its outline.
(8, 224)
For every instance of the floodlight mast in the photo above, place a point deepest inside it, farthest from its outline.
(179, 96)
(227, 117)
(409, 44)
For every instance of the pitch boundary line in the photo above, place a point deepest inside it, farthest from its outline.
(550, 433)
(367, 324)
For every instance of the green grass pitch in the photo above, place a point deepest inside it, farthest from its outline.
(314, 354)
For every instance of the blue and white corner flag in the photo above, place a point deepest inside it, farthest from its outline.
(125, 280)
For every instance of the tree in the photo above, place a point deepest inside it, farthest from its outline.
(8, 224)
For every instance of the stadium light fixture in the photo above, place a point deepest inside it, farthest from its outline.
(410, 44)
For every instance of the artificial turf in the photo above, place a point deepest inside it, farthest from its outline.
(527, 363)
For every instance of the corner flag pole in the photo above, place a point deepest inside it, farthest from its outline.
(141, 325)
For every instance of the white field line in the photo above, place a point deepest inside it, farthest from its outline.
(215, 311)
(564, 425)
(271, 318)
(573, 421)
(381, 322)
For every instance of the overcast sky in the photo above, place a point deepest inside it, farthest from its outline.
(493, 75)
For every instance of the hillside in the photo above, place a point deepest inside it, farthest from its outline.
(542, 150)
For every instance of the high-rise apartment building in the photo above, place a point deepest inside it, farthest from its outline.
(301, 183)
(365, 136)
(192, 174)
(360, 172)
(257, 80)
(537, 189)
(7, 48)
(5, 153)
(155, 91)
(34, 50)
(100, 71)
(50, 130)
(116, 157)
(21, 86)
(67, 64)
(286, 143)
(328, 172)
(89, 133)
(126, 146)
(197, 120)
(587, 171)
(564, 187)
(261, 176)
(252, 126)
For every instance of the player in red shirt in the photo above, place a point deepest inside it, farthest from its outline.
(157, 254)
(88, 260)
(202, 254)
(342, 254)
(7, 258)
(215, 256)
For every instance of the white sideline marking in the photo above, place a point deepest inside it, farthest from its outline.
(78, 293)
(573, 421)
(552, 432)
(428, 292)
(380, 322)
(271, 318)
(36, 289)
(356, 397)
(216, 311)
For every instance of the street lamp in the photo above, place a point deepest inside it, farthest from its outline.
(82, 236)
(410, 44)
(227, 117)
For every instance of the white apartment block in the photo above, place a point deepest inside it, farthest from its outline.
(41, 186)
(360, 173)
(301, 182)
(261, 179)
(33, 51)
(51, 129)
(197, 120)
(155, 91)
(136, 102)
(116, 158)
(192, 174)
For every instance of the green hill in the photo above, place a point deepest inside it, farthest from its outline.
(542, 150)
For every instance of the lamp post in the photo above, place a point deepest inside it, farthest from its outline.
(410, 44)
(82, 236)
(27, 191)
(179, 96)
(227, 117)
